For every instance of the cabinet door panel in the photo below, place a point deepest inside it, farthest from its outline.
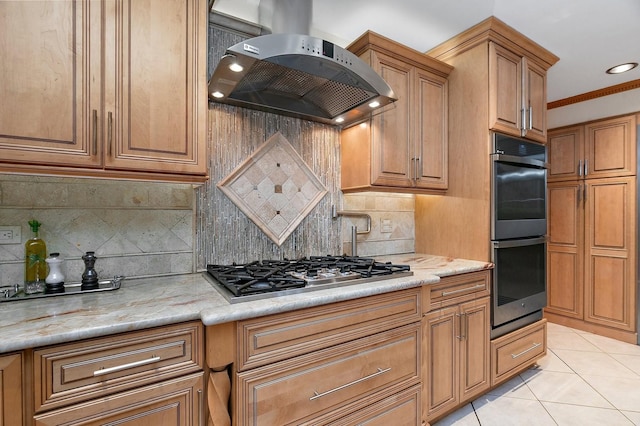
(475, 352)
(610, 288)
(565, 152)
(505, 90)
(50, 91)
(431, 122)
(536, 102)
(611, 147)
(154, 84)
(565, 248)
(11, 390)
(391, 131)
(440, 360)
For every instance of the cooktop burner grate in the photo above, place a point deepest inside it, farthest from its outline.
(266, 278)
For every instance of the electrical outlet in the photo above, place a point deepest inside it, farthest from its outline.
(386, 226)
(10, 235)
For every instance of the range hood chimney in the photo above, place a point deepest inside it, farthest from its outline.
(291, 73)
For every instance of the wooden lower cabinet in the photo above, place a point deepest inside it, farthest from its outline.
(174, 402)
(146, 377)
(517, 350)
(592, 256)
(456, 356)
(11, 390)
(350, 362)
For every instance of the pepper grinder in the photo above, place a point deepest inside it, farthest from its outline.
(89, 276)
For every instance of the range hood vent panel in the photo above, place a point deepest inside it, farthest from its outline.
(300, 76)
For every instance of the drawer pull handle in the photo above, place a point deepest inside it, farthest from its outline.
(380, 371)
(104, 371)
(535, 345)
(462, 290)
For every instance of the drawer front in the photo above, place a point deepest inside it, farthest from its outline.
(305, 388)
(175, 402)
(459, 288)
(70, 373)
(517, 350)
(402, 409)
(274, 338)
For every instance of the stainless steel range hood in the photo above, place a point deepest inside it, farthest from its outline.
(301, 76)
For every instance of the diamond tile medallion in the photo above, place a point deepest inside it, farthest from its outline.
(275, 188)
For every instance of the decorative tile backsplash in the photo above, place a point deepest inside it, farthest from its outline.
(275, 188)
(135, 228)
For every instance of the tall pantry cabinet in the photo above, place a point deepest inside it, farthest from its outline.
(113, 88)
(591, 248)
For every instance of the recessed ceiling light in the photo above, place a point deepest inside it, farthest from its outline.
(622, 68)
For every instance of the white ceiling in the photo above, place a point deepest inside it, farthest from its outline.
(588, 36)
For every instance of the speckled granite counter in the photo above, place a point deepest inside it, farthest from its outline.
(150, 302)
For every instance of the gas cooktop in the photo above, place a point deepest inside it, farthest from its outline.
(268, 278)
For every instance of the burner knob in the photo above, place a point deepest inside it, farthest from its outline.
(312, 273)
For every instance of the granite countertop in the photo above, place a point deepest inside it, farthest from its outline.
(149, 302)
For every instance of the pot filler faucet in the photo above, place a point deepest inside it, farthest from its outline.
(354, 229)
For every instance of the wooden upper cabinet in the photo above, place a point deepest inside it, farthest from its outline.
(51, 82)
(155, 100)
(517, 94)
(114, 88)
(603, 148)
(610, 147)
(403, 148)
(565, 153)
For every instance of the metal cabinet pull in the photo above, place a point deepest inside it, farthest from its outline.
(104, 371)
(463, 326)
(586, 167)
(109, 130)
(523, 126)
(530, 118)
(535, 345)
(201, 408)
(380, 371)
(462, 290)
(580, 168)
(579, 190)
(94, 128)
(584, 194)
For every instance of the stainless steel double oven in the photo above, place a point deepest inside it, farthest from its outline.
(518, 232)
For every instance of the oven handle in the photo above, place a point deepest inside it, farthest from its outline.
(519, 243)
(504, 158)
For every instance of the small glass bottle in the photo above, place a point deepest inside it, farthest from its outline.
(35, 267)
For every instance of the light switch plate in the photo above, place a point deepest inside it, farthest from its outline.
(10, 235)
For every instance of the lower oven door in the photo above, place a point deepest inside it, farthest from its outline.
(519, 279)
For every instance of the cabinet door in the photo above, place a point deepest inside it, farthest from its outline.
(565, 153)
(441, 334)
(535, 101)
(610, 287)
(11, 390)
(51, 82)
(177, 402)
(475, 351)
(430, 125)
(565, 248)
(391, 132)
(611, 148)
(505, 91)
(155, 88)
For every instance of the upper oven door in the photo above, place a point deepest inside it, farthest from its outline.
(518, 193)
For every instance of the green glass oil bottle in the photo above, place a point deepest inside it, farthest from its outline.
(35, 267)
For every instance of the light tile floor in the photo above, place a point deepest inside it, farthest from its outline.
(584, 380)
